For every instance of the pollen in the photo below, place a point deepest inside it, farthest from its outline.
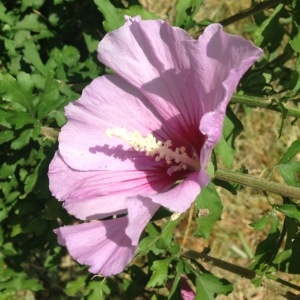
(177, 159)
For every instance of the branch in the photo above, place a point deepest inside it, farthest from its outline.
(272, 104)
(258, 183)
(250, 11)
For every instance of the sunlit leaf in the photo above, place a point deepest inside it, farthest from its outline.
(209, 209)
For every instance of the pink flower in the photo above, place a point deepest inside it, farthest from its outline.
(142, 137)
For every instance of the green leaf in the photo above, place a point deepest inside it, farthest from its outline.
(137, 10)
(225, 151)
(268, 248)
(160, 272)
(290, 210)
(91, 43)
(177, 279)
(262, 222)
(5, 17)
(208, 286)
(18, 91)
(115, 17)
(112, 16)
(49, 98)
(70, 55)
(32, 55)
(166, 236)
(209, 209)
(292, 151)
(6, 136)
(185, 11)
(295, 42)
(289, 172)
(232, 127)
(31, 22)
(75, 286)
(22, 140)
(288, 259)
(36, 4)
(264, 34)
(290, 169)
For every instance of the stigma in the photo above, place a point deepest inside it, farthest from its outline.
(177, 158)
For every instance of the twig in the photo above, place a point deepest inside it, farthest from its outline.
(271, 104)
(258, 183)
(249, 11)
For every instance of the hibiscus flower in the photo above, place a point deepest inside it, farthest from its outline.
(142, 137)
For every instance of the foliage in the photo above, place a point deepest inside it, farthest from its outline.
(48, 54)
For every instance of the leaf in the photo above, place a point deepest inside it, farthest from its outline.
(49, 98)
(6, 136)
(292, 151)
(208, 286)
(22, 140)
(295, 42)
(70, 55)
(160, 272)
(32, 55)
(209, 209)
(31, 22)
(6, 17)
(176, 280)
(36, 4)
(264, 34)
(268, 248)
(75, 286)
(225, 151)
(289, 172)
(185, 11)
(262, 222)
(288, 259)
(18, 91)
(232, 127)
(137, 10)
(165, 238)
(290, 210)
(113, 19)
(290, 169)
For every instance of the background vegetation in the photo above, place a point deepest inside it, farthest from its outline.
(48, 54)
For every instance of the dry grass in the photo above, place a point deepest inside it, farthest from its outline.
(258, 148)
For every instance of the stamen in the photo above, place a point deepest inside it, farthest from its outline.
(151, 146)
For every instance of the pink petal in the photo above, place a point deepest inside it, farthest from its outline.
(108, 102)
(219, 60)
(103, 245)
(185, 289)
(94, 194)
(180, 198)
(223, 59)
(151, 56)
(140, 211)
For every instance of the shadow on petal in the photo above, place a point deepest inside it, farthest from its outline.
(103, 245)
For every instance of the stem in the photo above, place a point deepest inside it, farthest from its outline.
(258, 183)
(49, 132)
(272, 104)
(188, 227)
(246, 273)
(250, 11)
